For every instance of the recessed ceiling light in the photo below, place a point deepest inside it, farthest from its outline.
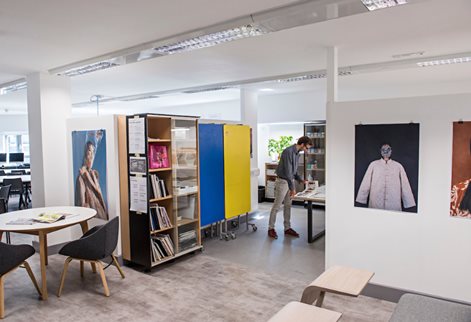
(211, 39)
(408, 55)
(76, 71)
(13, 87)
(457, 60)
(381, 4)
(266, 90)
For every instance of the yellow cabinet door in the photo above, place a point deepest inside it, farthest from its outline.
(236, 170)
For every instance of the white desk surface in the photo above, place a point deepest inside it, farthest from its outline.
(77, 215)
(24, 178)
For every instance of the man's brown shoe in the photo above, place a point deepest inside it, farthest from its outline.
(291, 232)
(272, 233)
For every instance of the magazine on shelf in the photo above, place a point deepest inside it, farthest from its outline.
(158, 156)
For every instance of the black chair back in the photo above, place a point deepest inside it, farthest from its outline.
(112, 232)
(15, 183)
(3, 207)
(18, 172)
(5, 195)
(5, 192)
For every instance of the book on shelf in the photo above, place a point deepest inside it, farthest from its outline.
(159, 189)
(158, 156)
(159, 218)
(162, 247)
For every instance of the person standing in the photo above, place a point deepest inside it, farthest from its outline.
(287, 172)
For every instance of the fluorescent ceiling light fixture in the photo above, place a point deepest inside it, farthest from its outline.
(208, 89)
(266, 90)
(319, 75)
(13, 87)
(381, 4)
(211, 39)
(449, 61)
(85, 69)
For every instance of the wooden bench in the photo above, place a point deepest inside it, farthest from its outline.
(299, 312)
(339, 280)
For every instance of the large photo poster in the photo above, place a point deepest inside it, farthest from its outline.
(89, 170)
(387, 166)
(461, 171)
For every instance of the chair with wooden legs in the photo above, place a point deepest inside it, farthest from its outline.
(95, 245)
(12, 257)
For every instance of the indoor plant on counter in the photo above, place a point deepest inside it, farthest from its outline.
(275, 147)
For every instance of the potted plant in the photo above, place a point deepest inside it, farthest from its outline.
(275, 147)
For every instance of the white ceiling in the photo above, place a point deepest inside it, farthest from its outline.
(436, 27)
(41, 35)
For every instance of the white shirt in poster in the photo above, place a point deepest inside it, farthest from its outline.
(386, 183)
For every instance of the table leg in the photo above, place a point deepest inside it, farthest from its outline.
(320, 299)
(310, 225)
(45, 248)
(309, 222)
(43, 260)
(84, 225)
(1, 235)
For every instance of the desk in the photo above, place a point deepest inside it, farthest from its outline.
(300, 312)
(318, 199)
(339, 280)
(25, 178)
(78, 215)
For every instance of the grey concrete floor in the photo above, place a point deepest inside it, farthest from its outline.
(285, 256)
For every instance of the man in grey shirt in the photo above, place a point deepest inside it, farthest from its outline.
(287, 172)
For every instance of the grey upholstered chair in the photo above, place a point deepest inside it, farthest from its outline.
(95, 245)
(11, 257)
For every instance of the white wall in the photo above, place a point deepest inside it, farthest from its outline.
(109, 124)
(222, 110)
(13, 123)
(292, 107)
(427, 252)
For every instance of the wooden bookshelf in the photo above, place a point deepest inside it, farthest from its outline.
(171, 133)
(161, 199)
(159, 170)
(314, 159)
(186, 221)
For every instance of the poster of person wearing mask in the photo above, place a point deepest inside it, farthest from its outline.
(89, 166)
(460, 205)
(386, 166)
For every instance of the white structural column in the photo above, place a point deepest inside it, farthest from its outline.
(49, 105)
(332, 75)
(332, 86)
(249, 116)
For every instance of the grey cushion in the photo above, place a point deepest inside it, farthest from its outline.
(417, 308)
(13, 255)
(98, 243)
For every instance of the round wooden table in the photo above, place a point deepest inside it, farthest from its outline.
(76, 215)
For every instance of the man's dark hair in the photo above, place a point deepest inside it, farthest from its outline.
(304, 140)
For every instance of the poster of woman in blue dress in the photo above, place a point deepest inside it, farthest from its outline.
(89, 162)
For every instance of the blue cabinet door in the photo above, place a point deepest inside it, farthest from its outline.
(211, 158)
